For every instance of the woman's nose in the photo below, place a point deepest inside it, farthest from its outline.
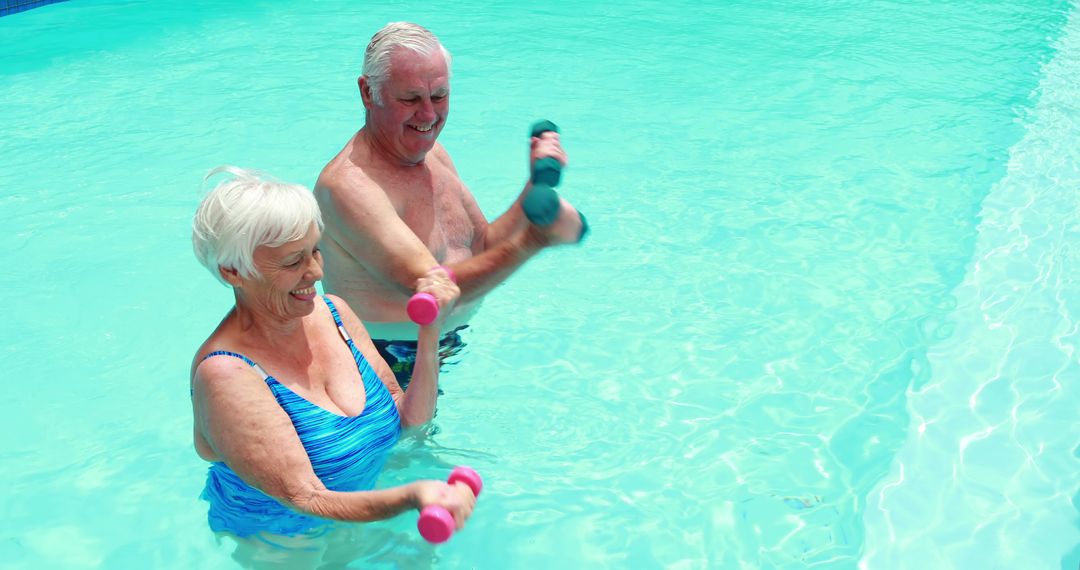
(315, 268)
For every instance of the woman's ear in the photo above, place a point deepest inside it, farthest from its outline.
(230, 275)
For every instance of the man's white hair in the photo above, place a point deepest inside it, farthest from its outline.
(405, 35)
(247, 211)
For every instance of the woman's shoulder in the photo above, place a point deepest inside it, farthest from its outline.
(348, 317)
(221, 339)
(343, 309)
(215, 370)
(335, 300)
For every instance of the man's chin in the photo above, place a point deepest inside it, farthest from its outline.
(416, 155)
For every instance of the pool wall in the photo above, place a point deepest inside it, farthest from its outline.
(15, 6)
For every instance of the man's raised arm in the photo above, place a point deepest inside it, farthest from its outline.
(360, 218)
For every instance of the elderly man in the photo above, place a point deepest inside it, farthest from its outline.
(395, 207)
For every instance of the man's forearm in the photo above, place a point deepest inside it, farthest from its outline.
(483, 272)
(513, 220)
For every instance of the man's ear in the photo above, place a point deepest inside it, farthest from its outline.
(230, 275)
(365, 91)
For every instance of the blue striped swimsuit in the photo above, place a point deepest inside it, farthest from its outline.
(347, 453)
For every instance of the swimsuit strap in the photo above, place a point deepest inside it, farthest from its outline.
(337, 320)
(367, 373)
(253, 364)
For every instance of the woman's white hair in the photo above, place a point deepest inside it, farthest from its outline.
(247, 211)
(395, 35)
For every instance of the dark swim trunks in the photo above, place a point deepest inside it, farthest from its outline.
(400, 355)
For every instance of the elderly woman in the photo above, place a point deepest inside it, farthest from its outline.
(293, 406)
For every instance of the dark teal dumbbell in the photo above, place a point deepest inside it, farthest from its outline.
(541, 127)
(541, 205)
(546, 170)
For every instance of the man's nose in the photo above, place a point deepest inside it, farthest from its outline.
(427, 110)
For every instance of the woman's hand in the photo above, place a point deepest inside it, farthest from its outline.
(458, 499)
(438, 283)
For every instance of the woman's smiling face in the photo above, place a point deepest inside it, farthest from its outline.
(285, 286)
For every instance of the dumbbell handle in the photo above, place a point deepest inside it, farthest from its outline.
(541, 204)
(423, 308)
(436, 524)
(545, 171)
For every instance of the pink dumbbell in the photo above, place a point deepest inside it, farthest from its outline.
(423, 308)
(436, 524)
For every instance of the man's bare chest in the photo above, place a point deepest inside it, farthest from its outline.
(437, 215)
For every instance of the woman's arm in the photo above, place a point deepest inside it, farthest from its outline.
(247, 429)
(416, 405)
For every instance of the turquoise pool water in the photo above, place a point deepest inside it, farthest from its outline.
(828, 316)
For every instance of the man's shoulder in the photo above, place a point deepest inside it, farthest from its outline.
(343, 174)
